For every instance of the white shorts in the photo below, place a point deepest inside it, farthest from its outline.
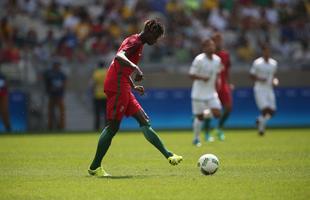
(199, 106)
(265, 98)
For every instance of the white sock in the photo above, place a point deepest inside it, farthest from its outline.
(262, 123)
(197, 128)
(267, 117)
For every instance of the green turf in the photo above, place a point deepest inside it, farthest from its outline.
(55, 167)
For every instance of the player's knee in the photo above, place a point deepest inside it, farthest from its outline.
(200, 117)
(228, 108)
(113, 127)
(145, 122)
(216, 113)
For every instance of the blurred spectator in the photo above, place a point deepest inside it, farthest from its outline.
(4, 103)
(97, 27)
(31, 39)
(100, 45)
(55, 84)
(99, 97)
(71, 19)
(6, 30)
(67, 43)
(217, 20)
(115, 29)
(9, 53)
(245, 51)
(29, 6)
(82, 30)
(95, 10)
(52, 14)
(259, 20)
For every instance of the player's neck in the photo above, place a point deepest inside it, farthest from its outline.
(209, 55)
(266, 59)
(142, 37)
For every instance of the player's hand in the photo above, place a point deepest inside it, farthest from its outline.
(139, 75)
(232, 86)
(139, 89)
(275, 82)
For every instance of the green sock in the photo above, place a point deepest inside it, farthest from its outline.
(206, 125)
(104, 142)
(153, 138)
(223, 119)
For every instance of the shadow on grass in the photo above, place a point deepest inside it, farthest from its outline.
(126, 177)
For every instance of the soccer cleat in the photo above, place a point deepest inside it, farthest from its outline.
(197, 142)
(99, 172)
(175, 159)
(209, 138)
(220, 135)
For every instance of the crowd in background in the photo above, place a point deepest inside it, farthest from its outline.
(79, 31)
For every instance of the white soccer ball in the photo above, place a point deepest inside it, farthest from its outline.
(208, 164)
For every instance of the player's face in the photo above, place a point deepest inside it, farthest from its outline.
(217, 38)
(209, 47)
(266, 52)
(152, 38)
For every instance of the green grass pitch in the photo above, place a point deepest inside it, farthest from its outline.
(54, 166)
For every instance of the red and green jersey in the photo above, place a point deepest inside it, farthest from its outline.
(223, 78)
(118, 76)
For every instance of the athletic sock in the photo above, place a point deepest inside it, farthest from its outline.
(206, 125)
(154, 139)
(261, 124)
(223, 118)
(197, 128)
(102, 147)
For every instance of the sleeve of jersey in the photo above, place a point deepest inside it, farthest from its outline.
(194, 69)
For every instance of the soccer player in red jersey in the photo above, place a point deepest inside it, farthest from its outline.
(223, 88)
(120, 99)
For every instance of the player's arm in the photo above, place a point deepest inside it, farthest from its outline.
(254, 75)
(138, 88)
(198, 77)
(257, 78)
(194, 71)
(122, 58)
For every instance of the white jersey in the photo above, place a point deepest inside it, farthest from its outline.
(205, 67)
(266, 70)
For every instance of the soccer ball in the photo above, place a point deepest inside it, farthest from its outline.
(208, 164)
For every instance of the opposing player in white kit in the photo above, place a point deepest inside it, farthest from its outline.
(263, 73)
(204, 71)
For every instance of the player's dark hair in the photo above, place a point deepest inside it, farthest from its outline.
(154, 26)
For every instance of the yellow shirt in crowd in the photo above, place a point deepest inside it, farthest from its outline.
(98, 78)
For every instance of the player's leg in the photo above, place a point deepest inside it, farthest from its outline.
(4, 110)
(104, 142)
(215, 107)
(198, 108)
(135, 110)
(51, 112)
(226, 101)
(265, 100)
(207, 115)
(61, 106)
(154, 139)
(115, 104)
